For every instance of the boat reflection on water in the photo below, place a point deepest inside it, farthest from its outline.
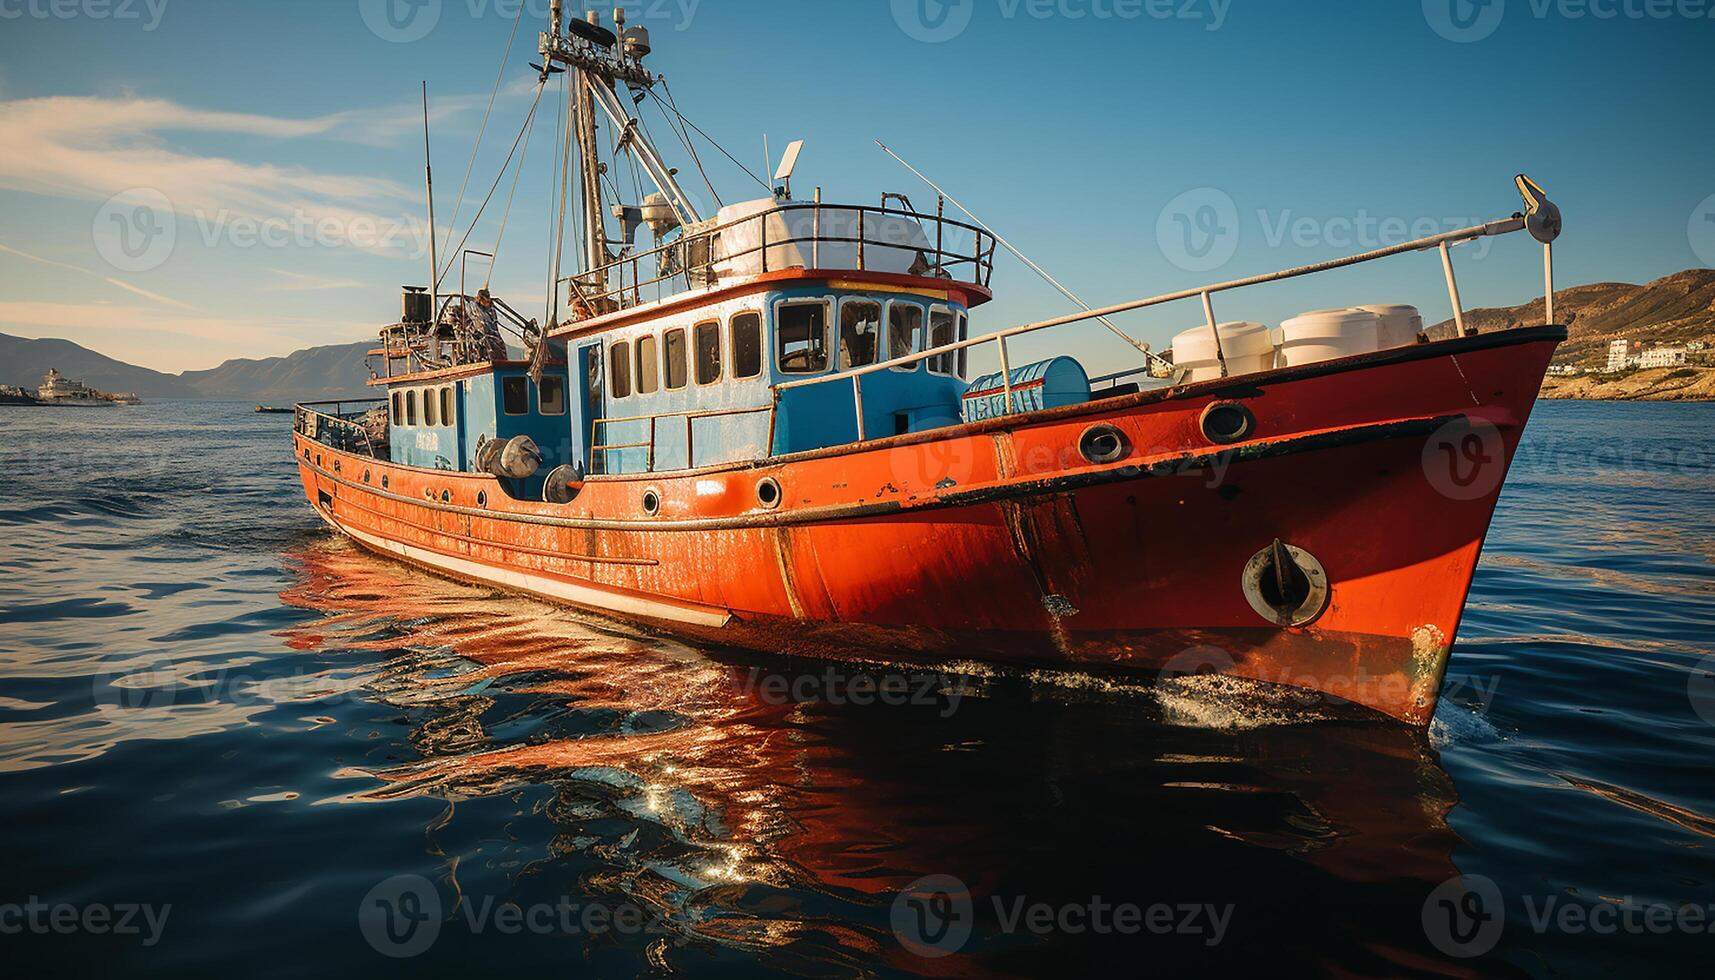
(761, 829)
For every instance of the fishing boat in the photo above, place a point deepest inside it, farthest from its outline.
(757, 430)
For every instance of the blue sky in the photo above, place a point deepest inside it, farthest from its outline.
(284, 140)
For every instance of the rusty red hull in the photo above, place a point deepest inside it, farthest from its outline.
(1000, 541)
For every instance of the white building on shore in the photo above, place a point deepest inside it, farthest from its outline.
(1662, 357)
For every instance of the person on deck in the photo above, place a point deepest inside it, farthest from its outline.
(492, 344)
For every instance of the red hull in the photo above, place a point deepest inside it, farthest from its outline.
(998, 541)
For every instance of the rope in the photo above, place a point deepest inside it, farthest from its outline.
(492, 95)
(494, 259)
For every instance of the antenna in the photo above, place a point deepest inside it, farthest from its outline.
(767, 157)
(788, 163)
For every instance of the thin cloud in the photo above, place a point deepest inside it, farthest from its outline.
(136, 290)
(299, 282)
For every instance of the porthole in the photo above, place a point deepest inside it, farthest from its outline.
(1285, 584)
(482, 498)
(1103, 444)
(306, 455)
(446, 496)
(1228, 422)
(768, 492)
(318, 459)
(365, 476)
(383, 481)
(336, 466)
(651, 502)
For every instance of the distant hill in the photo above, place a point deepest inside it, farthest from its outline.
(307, 375)
(1679, 307)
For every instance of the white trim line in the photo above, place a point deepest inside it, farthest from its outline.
(579, 595)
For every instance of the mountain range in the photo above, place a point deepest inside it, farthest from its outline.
(307, 375)
(1672, 309)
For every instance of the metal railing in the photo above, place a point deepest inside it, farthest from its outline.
(1504, 226)
(695, 256)
(690, 417)
(338, 429)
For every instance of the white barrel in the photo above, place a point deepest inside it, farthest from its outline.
(1400, 324)
(1323, 335)
(1248, 348)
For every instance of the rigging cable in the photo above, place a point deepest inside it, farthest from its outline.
(675, 110)
(458, 205)
(494, 259)
(540, 88)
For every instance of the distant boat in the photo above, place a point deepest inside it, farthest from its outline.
(271, 410)
(56, 389)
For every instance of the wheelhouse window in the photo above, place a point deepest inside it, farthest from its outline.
(411, 407)
(398, 408)
(431, 408)
(904, 333)
(801, 332)
(673, 345)
(860, 332)
(964, 352)
(551, 396)
(648, 366)
(942, 331)
(619, 369)
(708, 352)
(447, 405)
(746, 345)
(515, 396)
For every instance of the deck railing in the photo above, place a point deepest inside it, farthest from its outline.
(690, 417)
(338, 429)
(694, 259)
(1443, 242)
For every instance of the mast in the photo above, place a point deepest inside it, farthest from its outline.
(434, 264)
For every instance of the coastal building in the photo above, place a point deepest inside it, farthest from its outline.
(1620, 355)
(1662, 357)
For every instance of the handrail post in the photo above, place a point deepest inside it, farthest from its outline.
(652, 419)
(763, 219)
(1006, 374)
(690, 444)
(816, 232)
(940, 228)
(1548, 282)
(1453, 290)
(861, 233)
(857, 400)
(1215, 331)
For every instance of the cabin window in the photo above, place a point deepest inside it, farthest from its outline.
(447, 405)
(619, 369)
(860, 332)
(410, 408)
(648, 366)
(398, 408)
(904, 332)
(551, 396)
(801, 330)
(515, 396)
(673, 346)
(708, 354)
(941, 333)
(746, 345)
(431, 407)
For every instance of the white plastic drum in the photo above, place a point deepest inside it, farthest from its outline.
(1324, 335)
(1248, 348)
(1400, 325)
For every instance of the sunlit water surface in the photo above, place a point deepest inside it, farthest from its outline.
(209, 702)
